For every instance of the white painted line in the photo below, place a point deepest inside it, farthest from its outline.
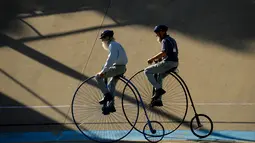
(215, 104)
(225, 104)
(67, 106)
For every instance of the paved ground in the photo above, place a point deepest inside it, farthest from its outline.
(163, 142)
(56, 47)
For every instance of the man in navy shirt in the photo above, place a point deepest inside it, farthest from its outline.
(168, 59)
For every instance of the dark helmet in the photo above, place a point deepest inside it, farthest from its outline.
(160, 28)
(106, 33)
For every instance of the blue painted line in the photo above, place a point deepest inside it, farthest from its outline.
(224, 135)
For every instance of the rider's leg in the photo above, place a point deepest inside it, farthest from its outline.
(160, 67)
(159, 78)
(102, 86)
(151, 71)
(111, 84)
(112, 72)
(111, 87)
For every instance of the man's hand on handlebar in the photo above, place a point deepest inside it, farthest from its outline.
(150, 61)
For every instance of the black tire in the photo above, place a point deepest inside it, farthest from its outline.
(194, 123)
(87, 113)
(158, 134)
(166, 117)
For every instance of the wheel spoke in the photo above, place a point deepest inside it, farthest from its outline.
(172, 115)
(88, 113)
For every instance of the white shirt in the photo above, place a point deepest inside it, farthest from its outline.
(116, 56)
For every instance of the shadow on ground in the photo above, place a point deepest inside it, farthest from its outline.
(24, 119)
(96, 142)
(219, 21)
(219, 141)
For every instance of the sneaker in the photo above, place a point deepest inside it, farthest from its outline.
(107, 97)
(158, 94)
(105, 111)
(108, 108)
(111, 107)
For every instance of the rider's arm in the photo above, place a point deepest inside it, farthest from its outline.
(163, 51)
(159, 55)
(111, 58)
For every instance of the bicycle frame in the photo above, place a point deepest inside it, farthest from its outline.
(141, 100)
(156, 76)
(190, 98)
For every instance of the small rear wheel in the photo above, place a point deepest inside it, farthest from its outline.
(156, 134)
(201, 125)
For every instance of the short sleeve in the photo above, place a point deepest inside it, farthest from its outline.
(164, 45)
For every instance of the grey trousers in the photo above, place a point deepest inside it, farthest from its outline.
(111, 73)
(161, 68)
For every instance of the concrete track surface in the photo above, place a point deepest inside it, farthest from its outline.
(51, 46)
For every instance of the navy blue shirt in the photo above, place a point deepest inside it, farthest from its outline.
(169, 46)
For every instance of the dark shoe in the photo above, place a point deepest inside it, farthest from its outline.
(158, 94)
(105, 110)
(158, 103)
(102, 101)
(107, 97)
(108, 108)
(111, 107)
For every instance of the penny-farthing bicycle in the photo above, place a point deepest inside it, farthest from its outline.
(175, 104)
(130, 97)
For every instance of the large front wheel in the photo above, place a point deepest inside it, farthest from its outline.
(89, 119)
(175, 102)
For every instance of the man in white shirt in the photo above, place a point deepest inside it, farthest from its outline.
(115, 65)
